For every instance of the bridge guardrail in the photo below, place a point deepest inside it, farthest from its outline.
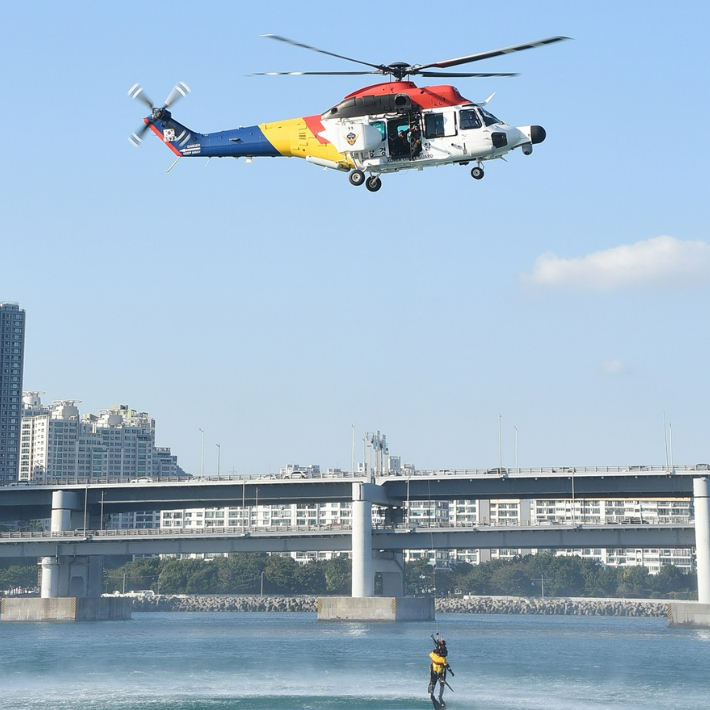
(557, 471)
(285, 529)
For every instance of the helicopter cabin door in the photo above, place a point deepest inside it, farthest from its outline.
(404, 136)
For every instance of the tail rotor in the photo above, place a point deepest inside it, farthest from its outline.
(156, 113)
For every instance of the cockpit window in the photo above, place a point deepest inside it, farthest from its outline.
(468, 118)
(489, 119)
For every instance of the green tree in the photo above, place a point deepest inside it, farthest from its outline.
(634, 582)
(310, 578)
(203, 580)
(240, 573)
(512, 579)
(419, 576)
(563, 574)
(458, 572)
(603, 583)
(176, 574)
(280, 575)
(14, 576)
(672, 579)
(338, 575)
(479, 580)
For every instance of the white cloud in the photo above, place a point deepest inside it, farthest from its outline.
(656, 262)
(612, 366)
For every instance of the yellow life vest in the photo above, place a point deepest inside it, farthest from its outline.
(437, 662)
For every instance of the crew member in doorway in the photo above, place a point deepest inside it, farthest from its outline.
(415, 141)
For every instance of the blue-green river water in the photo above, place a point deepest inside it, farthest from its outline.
(250, 661)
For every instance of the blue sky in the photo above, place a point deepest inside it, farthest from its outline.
(275, 306)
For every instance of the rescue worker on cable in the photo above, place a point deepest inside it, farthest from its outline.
(438, 669)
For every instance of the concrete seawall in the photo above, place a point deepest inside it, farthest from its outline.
(471, 605)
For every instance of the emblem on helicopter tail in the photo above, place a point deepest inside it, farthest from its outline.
(169, 135)
(351, 138)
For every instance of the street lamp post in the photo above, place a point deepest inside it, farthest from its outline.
(202, 457)
(542, 586)
(500, 448)
(219, 455)
(574, 510)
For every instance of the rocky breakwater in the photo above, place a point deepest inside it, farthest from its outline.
(452, 605)
(165, 602)
(552, 606)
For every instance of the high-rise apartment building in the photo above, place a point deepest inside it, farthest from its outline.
(60, 446)
(12, 352)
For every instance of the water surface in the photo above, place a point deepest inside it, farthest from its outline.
(259, 661)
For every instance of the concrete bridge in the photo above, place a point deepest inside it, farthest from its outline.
(25, 502)
(82, 505)
(305, 539)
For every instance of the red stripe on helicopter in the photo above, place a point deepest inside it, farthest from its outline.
(314, 125)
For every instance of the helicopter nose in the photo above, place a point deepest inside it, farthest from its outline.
(537, 134)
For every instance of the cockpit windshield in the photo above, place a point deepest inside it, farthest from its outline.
(468, 118)
(488, 118)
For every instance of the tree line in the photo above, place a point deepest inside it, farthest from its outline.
(239, 573)
(255, 573)
(551, 575)
(533, 575)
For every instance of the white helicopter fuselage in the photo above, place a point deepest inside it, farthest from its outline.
(427, 138)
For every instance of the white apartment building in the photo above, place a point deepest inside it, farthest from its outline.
(466, 513)
(57, 445)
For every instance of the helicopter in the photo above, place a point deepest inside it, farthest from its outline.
(383, 128)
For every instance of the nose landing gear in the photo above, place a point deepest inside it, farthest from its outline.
(477, 172)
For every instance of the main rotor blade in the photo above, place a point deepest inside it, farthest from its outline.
(454, 73)
(180, 89)
(313, 73)
(488, 55)
(136, 92)
(322, 51)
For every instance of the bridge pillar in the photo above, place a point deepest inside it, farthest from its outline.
(50, 577)
(702, 537)
(63, 577)
(65, 505)
(363, 582)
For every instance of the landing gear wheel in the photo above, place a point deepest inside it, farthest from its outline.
(373, 184)
(476, 173)
(356, 177)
